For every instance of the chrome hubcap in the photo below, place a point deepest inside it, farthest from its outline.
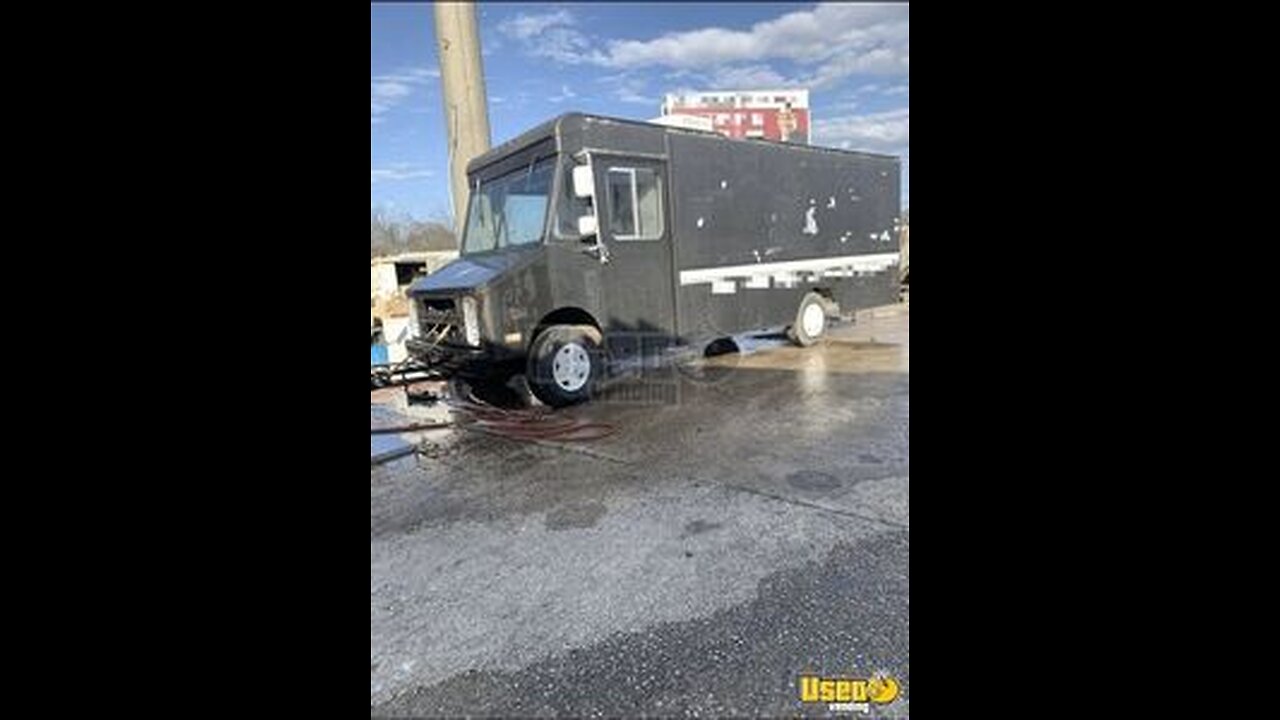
(814, 320)
(571, 367)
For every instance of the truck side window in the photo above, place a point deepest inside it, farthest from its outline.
(635, 203)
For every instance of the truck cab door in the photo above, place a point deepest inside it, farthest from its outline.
(634, 215)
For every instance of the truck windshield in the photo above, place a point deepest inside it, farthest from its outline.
(509, 210)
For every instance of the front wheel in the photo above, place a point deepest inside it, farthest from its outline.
(566, 363)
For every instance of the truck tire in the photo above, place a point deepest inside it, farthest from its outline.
(566, 363)
(811, 320)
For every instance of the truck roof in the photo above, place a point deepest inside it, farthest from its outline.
(577, 121)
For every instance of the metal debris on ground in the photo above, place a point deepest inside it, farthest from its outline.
(527, 424)
(412, 427)
(424, 397)
(404, 373)
(385, 449)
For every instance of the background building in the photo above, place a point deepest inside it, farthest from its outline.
(691, 122)
(389, 277)
(773, 114)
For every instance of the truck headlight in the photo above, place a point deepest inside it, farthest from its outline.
(471, 321)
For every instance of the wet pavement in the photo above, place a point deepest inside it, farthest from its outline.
(749, 522)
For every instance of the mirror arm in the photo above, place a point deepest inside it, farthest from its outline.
(599, 250)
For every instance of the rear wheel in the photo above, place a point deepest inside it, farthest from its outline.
(565, 364)
(811, 320)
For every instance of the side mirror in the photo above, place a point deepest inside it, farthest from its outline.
(587, 226)
(584, 185)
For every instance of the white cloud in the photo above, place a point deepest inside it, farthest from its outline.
(749, 76)
(397, 172)
(411, 76)
(878, 60)
(629, 88)
(836, 40)
(566, 93)
(632, 94)
(565, 45)
(824, 45)
(388, 91)
(888, 131)
(627, 95)
(526, 26)
(552, 35)
(843, 106)
(683, 74)
(830, 42)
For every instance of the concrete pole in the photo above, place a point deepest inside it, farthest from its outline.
(466, 110)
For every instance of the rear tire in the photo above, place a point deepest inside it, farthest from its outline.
(566, 363)
(811, 320)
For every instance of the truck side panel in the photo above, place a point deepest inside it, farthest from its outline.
(757, 225)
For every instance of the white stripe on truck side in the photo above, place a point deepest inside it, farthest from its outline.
(847, 264)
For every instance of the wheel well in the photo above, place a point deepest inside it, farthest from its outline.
(564, 316)
(833, 307)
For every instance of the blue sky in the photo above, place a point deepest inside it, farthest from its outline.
(541, 60)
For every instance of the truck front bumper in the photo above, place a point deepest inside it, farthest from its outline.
(459, 360)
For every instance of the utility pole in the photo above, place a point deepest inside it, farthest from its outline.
(466, 111)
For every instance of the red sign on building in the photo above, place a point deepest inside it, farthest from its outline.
(781, 115)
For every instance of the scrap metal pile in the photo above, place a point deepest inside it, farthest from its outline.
(531, 424)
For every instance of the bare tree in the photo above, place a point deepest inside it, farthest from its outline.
(391, 234)
(384, 233)
(430, 235)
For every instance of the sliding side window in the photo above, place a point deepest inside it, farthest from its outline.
(635, 203)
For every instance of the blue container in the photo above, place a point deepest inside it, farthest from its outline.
(378, 354)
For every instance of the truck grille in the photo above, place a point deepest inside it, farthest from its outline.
(439, 320)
